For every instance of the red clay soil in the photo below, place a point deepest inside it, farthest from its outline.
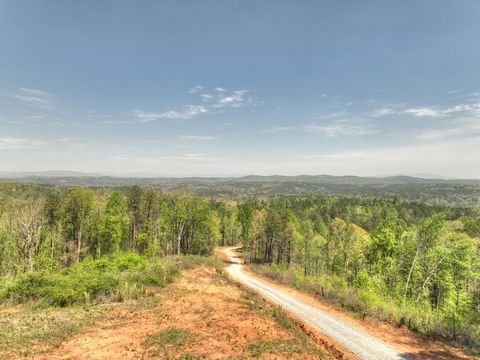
(219, 318)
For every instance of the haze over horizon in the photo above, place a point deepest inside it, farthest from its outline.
(217, 89)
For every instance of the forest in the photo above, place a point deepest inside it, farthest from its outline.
(452, 192)
(409, 263)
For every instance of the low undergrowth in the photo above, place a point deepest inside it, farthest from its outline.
(364, 302)
(118, 278)
(41, 309)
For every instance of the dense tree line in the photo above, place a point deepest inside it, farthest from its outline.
(411, 255)
(54, 226)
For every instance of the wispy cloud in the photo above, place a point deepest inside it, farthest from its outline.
(21, 143)
(234, 99)
(222, 98)
(464, 128)
(282, 128)
(342, 128)
(424, 112)
(381, 112)
(196, 137)
(432, 111)
(207, 97)
(217, 99)
(187, 112)
(35, 98)
(196, 89)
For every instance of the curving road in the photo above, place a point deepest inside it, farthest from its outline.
(364, 345)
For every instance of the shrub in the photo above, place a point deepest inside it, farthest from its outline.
(130, 261)
(117, 278)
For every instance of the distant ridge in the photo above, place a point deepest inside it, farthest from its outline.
(276, 178)
(458, 192)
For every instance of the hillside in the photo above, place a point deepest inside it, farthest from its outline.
(457, 192)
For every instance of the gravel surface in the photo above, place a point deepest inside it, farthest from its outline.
(364, 345)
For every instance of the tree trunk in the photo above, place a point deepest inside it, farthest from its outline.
(134, 235)
(410, 275)
(79, 244)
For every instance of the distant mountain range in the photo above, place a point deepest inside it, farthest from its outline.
(281, 178)
(458, 192)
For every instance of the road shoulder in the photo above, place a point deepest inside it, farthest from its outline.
(403, 339)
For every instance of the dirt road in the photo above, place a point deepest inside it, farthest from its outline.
(364, 345)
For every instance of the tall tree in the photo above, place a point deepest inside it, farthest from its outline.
(114, 224)
(77, 208)
(28, 223)
(135, 207)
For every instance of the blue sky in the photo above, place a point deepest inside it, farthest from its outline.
(209, 88)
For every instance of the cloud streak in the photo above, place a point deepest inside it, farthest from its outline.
(220, 98)
(232, 99)
(342, 128)
(196, 137)
(465, 108)
(187, 112)
(35, 98)
(21, 144)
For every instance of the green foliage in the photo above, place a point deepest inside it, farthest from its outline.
(77, 208)
(130, 261)
(121, 278)
(114, 225)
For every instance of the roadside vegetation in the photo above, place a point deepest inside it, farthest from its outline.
(412, 264)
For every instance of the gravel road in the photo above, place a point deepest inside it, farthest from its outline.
(364, 345)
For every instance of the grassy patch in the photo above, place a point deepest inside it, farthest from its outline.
(173, 337)
(25, 331)
(277, 346)
(282, 319)
(285, 347)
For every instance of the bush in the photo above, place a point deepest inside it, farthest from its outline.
(119, 278)
(130, 261)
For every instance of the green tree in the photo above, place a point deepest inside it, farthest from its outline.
(114, 224)
(135, 208)
(76, 214)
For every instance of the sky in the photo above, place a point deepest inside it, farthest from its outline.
(230, 88)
